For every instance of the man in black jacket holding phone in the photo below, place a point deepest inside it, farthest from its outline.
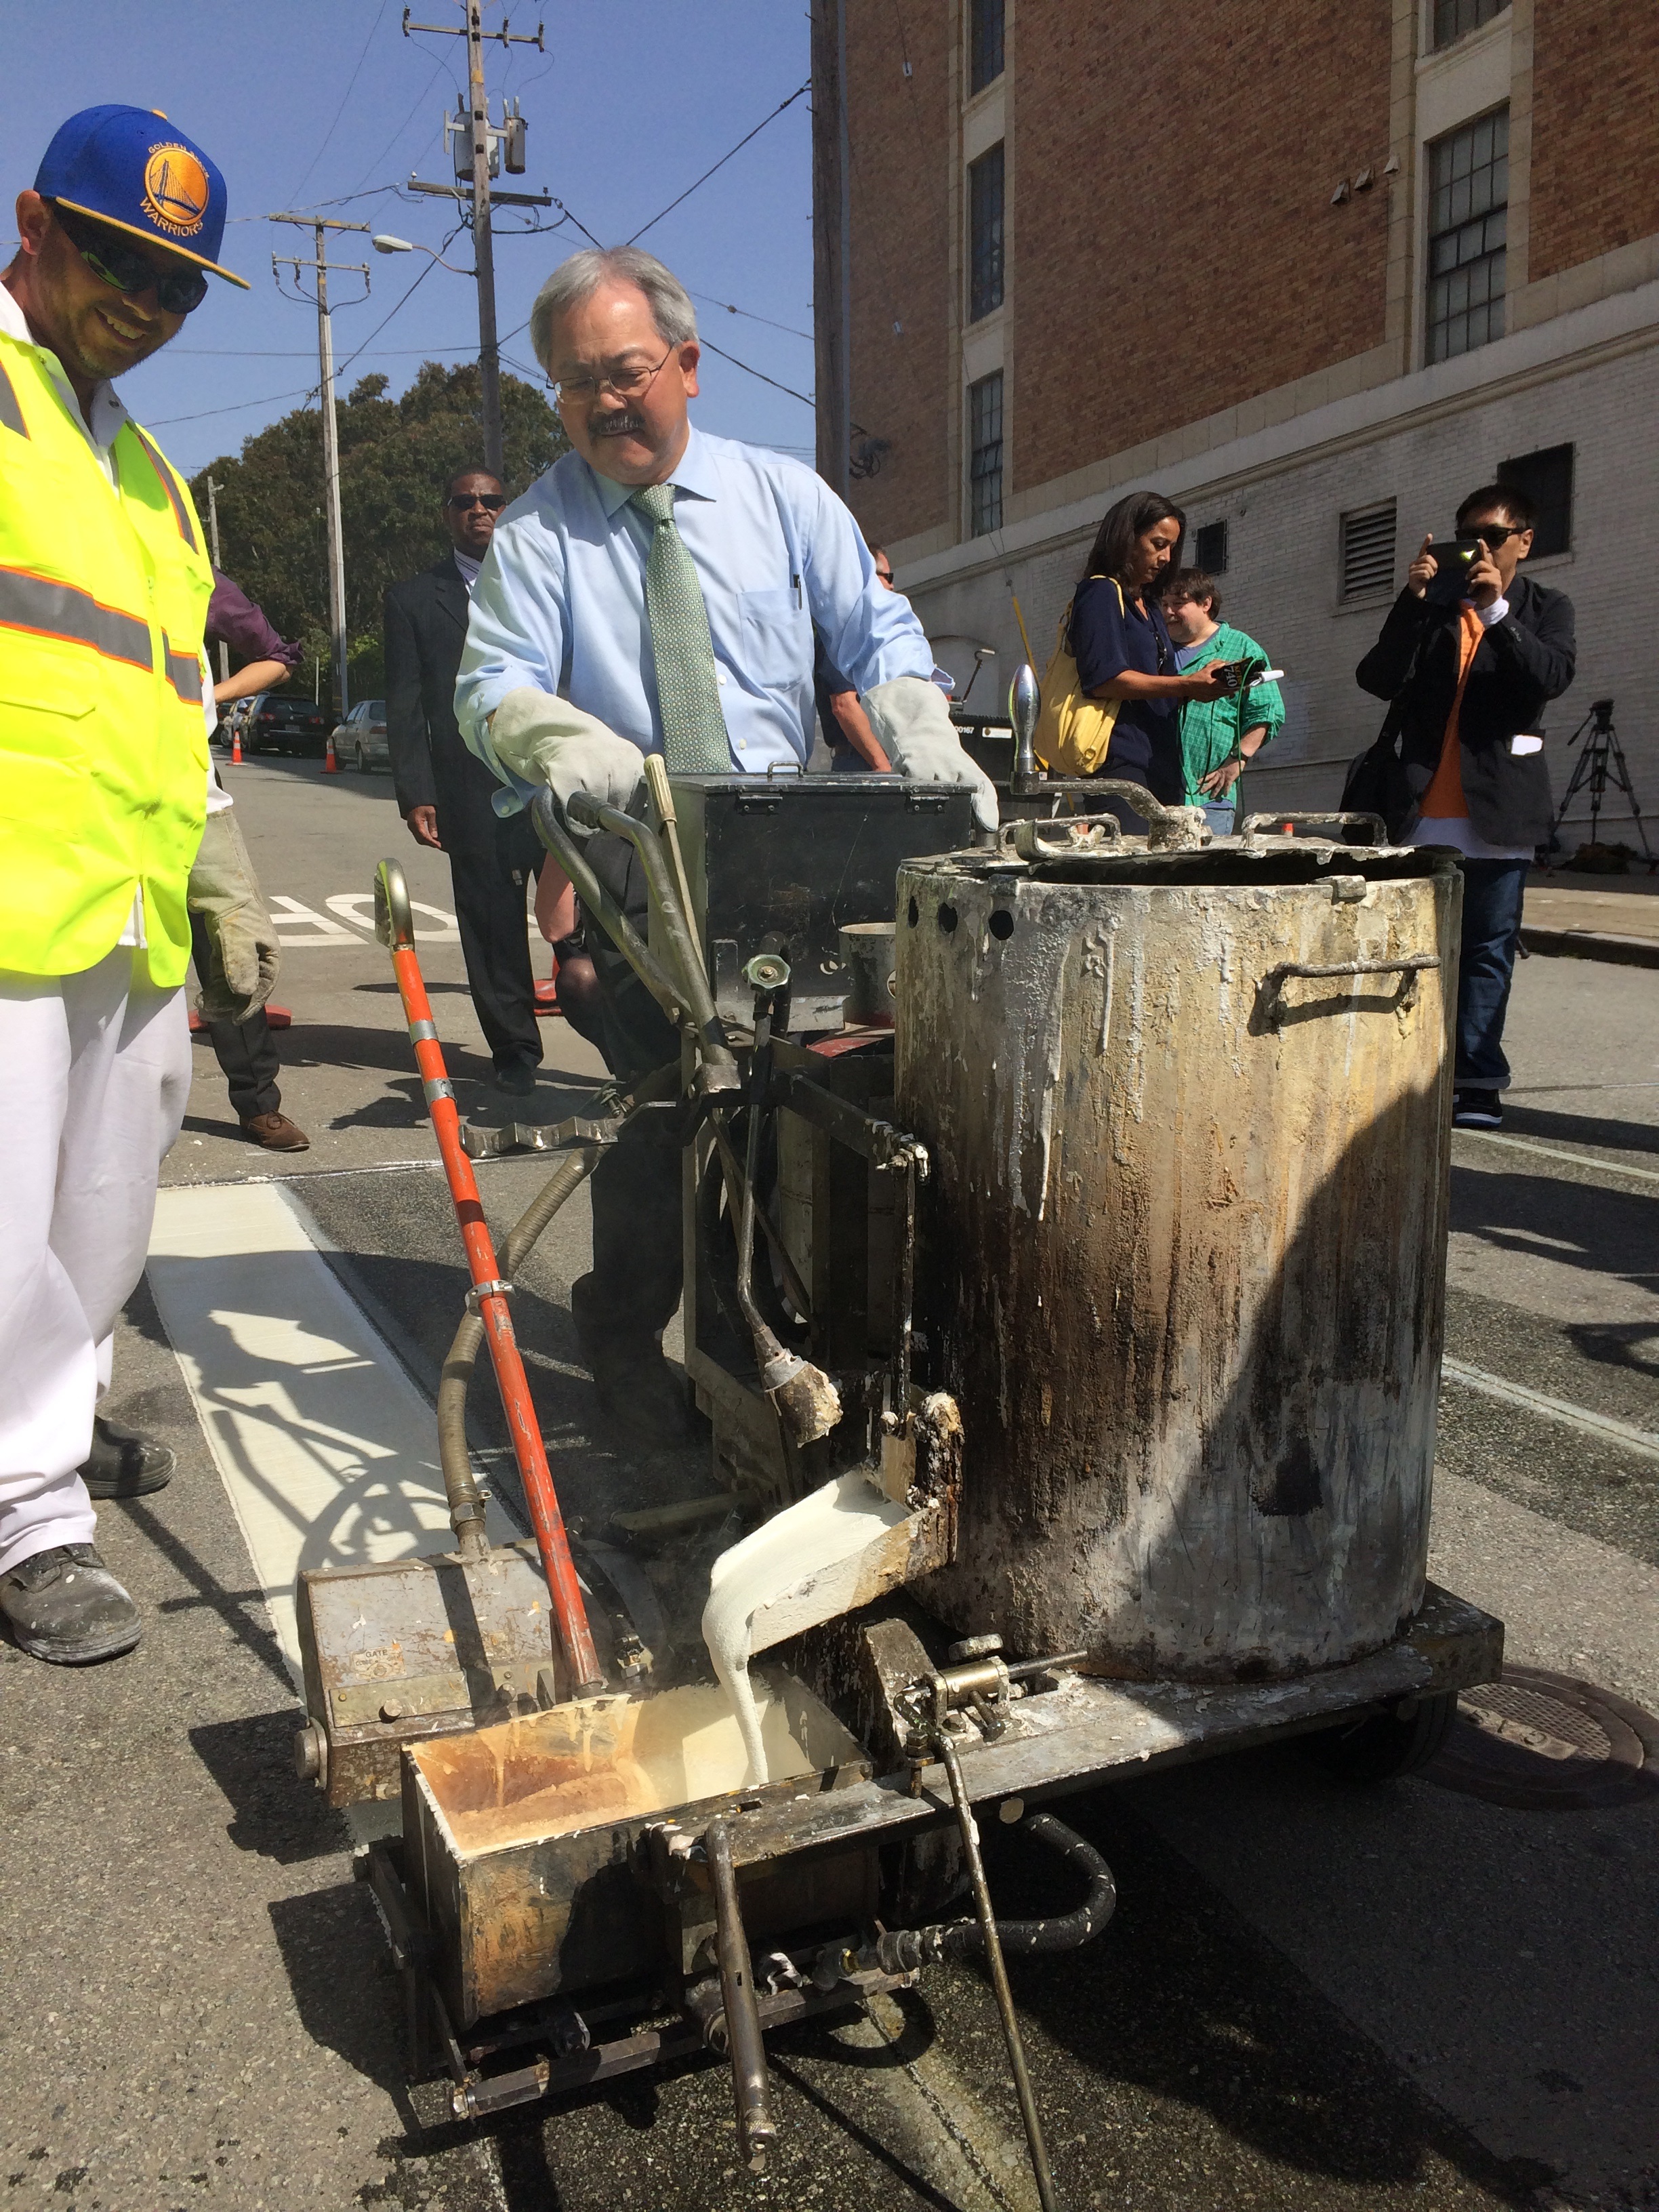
(1469, 670)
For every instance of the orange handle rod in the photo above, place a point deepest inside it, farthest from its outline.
(569, 1614)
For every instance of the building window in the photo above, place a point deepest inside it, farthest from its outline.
(1453, 19)
(1469, 197)
(984, 44)
(1210, 548)
(1545, 477)
(1368, 551)
(985, 234)
(984, 455)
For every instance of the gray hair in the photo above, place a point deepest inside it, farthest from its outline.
(581, 275)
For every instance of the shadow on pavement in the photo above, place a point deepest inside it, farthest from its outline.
(1607, 1232)
(1581, 1129)
(346, 1989)
(252, 1760)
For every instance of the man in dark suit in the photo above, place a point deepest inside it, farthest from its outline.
(444, 792)
(1469, 676)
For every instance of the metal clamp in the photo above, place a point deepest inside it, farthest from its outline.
(1078, 833)
(1253, 825)
(1274, 1010)
(497, 1287)
(394, 919)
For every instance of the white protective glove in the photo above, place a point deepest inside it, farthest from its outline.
(911, 720)
(545, 739)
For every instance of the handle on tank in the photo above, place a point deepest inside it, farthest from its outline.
(1025, 701)
(1273, 1009)
(1078, 833)
(1254, 824)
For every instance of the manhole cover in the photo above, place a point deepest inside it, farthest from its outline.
(1545, 1742)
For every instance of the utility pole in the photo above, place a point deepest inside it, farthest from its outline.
(213, 540)
(337, 615)
(831, 244)
(483, 139)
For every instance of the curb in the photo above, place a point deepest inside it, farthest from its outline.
(1593, 944)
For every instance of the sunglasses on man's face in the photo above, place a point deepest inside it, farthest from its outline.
(177, 291)
(493, 501)
(1491, 534)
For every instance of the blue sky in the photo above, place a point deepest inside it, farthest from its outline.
(626, 107)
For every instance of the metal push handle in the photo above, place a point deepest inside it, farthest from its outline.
(1254, 824)
(564, 1592)
(1274, 1009)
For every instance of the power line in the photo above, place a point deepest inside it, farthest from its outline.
(750, 315)
(402, 303)
(164, 421)
(440, 68)
(760, 373)
(720, 164)
(351, 86)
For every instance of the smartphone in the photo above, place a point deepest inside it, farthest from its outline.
(1448, 585)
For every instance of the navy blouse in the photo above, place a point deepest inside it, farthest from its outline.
(1107, 637)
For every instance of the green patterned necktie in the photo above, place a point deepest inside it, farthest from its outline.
(694, 734)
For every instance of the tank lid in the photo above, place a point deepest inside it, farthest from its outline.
(1179, 845)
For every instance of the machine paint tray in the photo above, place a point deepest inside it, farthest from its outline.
(527, 1844)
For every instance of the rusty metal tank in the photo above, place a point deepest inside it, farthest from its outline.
(1189, 1116)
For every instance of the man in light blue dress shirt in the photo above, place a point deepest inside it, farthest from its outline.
(563, 678)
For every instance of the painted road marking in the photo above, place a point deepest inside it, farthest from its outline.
(1555, 1152)
(1600, 1425)
(327, 1449)
(291, 917)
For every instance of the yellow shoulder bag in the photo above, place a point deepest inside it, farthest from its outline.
(1073, 731)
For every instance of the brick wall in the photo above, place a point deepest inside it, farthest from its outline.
(900, 128)
(1181, 254)
(1595, 149)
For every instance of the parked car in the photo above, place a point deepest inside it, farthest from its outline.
(360, 741)
(272, 724)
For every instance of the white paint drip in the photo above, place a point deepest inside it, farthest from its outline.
(798, 1568)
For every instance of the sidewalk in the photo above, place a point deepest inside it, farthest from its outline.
(1593, 917)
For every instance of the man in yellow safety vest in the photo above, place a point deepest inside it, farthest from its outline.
(104, 587)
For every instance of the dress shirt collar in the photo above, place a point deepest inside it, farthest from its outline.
(697, 473)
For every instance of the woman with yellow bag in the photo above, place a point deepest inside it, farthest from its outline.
(1112, 698)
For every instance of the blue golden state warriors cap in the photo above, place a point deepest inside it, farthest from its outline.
(129, 167)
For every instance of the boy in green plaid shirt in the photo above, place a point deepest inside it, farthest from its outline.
(1218, 736)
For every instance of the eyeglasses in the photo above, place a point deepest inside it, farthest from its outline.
(626, 383)
(177, 291)
(494, 501)
(885, 575)
(1492, 536)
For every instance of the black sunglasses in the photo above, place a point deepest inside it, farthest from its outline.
(177, 291)
(494, 501)
(1492, 536)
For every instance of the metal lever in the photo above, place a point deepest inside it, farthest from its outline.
(993, 1958)
(756, 2129)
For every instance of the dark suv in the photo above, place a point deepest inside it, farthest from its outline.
(272, 724)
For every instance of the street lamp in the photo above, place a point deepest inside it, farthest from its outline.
(384, 243)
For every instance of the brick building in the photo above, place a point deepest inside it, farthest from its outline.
(1314, 272)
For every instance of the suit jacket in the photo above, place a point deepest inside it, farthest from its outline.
(1521, 664)
(425, 630)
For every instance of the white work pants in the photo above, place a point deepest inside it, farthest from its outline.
(94, 1072)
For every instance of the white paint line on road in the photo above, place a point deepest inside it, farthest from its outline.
(326, 1448)
(1600, 1425)
(1555, 1152)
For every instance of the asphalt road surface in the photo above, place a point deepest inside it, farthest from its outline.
(1310, 1996)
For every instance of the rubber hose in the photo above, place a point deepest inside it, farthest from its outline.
(964, 1939)
(467, 1504)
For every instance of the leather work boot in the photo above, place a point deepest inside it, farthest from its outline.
(64, 1606)
(275, 1132)
(640, 1394)
(123, 1464)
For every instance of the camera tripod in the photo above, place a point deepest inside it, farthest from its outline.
(1602, 761)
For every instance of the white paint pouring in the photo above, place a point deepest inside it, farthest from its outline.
(822, 1557)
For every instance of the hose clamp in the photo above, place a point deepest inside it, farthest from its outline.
(424, 1032)
(495, 1288)
(437, 1087)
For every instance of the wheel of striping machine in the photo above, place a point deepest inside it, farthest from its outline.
(1383, 1747)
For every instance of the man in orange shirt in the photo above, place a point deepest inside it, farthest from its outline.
(1469, 679)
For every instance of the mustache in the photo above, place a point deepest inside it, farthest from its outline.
(619, 425)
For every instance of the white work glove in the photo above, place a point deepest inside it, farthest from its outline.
(546, 741)
(912, 720)
(225, 892)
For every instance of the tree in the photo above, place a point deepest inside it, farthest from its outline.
(396, 457)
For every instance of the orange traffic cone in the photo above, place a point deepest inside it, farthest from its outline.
(236, 746)
(330, 766)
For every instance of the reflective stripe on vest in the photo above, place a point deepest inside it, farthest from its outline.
(184, 672)
(46, 609)
(170, 486)
(11, 412)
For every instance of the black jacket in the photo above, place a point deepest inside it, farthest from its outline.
(1521, 664)
(425, 630)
